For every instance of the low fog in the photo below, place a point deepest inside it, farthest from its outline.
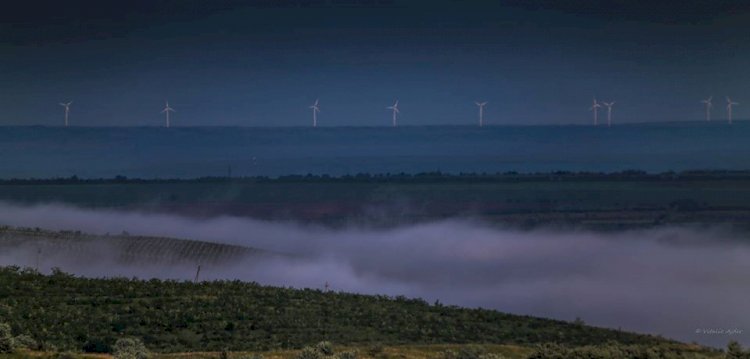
(674, 281)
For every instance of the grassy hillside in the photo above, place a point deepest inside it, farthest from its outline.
(74, 313)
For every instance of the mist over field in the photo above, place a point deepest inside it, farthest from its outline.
(674, 281)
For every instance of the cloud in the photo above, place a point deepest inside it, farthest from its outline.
(671, 281)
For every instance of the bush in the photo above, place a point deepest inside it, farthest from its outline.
(325, 348)
(6, 338)
(24, 341)
(309, 353)
(97, 345)
(130, 348)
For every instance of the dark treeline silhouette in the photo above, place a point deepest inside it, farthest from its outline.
(423, 177)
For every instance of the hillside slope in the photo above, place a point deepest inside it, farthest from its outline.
(78, 313)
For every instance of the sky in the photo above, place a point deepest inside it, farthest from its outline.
(264, 62)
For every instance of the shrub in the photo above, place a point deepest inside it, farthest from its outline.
(6, 338)
(309, 353)
(97, 345)
(24, 341)
(325, 348)
(130, 348)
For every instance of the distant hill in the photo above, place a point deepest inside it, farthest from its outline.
(187, 152)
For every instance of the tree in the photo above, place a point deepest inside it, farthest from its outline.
(130, 348)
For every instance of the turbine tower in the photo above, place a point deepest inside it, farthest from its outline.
(609, 112)
(166, 111)
(729, 109)
(315, 110)
(67, 110)
(395, 112)
(595, 108)
(481, 112)
(709, 104)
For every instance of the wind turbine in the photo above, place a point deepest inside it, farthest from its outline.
(395, 112)
(729, 109)
(167, 110)
(609, 112)
(595, 108)
(67, 110)
(481, 112)
(709, 104)
(315, 110)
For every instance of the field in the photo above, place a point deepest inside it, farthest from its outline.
(600, 201)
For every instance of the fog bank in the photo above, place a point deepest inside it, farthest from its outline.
(674, 281)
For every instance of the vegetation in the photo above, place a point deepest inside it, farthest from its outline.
(91, 314)
(130, 348)
(6, 339)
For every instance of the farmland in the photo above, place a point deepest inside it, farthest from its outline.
(599, 201)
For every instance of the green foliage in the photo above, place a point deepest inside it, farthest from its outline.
(24, 341)
(130, 348)
(6, 338)
(325, 348)
(88, 314)
(309, 353)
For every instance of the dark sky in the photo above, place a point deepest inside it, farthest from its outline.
(262, 63)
